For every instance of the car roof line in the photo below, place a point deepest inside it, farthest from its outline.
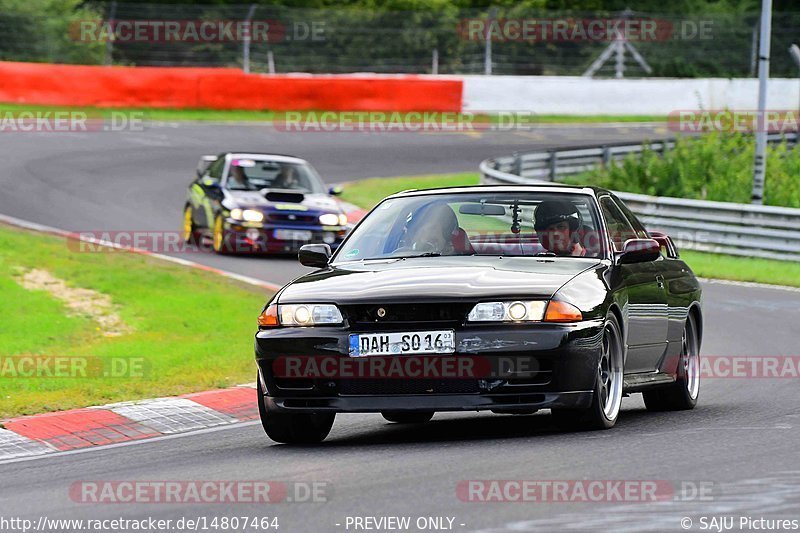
(569, 189)
(265, 154)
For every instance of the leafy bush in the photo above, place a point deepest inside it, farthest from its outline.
(715, 166)
(44, 30)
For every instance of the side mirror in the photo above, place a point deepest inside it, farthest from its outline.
(336, 190)
(204, 163)
(314, 255)
(639, 251)
(667, 245)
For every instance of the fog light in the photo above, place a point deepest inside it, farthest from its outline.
(253, 234)
(328, 238)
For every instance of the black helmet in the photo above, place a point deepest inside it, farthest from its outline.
(551, 212)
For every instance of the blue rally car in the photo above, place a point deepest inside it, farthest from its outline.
(261, 203)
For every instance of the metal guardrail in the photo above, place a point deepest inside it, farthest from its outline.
(722, 227)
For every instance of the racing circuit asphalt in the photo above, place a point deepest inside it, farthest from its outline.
(742, 437)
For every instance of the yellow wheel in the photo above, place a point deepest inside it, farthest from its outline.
(219, 235)
(188, 224)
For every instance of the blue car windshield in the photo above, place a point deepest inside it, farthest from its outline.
(497, 223)
(254, 175)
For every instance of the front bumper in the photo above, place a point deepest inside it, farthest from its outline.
(531, 367)
(260, 237)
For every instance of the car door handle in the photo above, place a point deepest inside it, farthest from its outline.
(660, 281)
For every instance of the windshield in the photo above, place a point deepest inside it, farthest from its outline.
(254, 175)
(508, 224)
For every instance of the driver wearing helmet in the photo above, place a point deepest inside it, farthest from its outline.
(557, 223)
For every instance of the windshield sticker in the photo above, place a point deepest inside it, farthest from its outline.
(244, 163)
(352, 253)
(291, 207)
(385, 205)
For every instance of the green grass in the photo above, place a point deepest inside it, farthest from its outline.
(729, 267)
(367, 193)
(242, 115)
(193, 330)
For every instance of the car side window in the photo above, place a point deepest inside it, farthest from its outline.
(619, 228)
(640, 230)
(215, 169)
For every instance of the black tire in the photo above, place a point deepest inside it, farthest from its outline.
(683, 393)
(408, 417)
(608, 386)
(293, 428)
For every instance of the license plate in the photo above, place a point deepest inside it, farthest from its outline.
(292, 235)
(418, 342)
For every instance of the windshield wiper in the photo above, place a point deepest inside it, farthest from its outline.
(545, 254)
(388, 257)
(423, 254)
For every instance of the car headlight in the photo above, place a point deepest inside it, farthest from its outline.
(309, 314)
(342, 219)
(330, 219)
(250, 215)
(519, 311)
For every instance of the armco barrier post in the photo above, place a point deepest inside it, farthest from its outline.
(553, 165)
(517, 167)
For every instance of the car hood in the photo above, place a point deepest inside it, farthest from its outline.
(436, 279)
(255, 199)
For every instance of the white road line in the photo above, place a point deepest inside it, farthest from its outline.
(34, 226)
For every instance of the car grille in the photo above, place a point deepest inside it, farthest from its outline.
(352, 387)
(424, 315)
(286, 218)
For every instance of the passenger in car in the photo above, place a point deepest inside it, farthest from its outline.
(434, 228)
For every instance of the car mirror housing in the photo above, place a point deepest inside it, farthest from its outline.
(336, 190)
(314, 255)
(204, 163)
(667, 245)
(639, 251)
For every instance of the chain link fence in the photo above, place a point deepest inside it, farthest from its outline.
(515, 41)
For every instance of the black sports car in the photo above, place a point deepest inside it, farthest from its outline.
(502, 298)
(261, 203)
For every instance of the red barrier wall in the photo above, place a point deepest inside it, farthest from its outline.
(215, 88)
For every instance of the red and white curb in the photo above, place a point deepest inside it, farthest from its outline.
(353, 212)
(117, 423)
(127, 421)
